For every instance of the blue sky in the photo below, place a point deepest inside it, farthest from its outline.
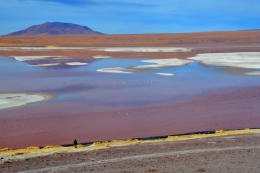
(133, 16)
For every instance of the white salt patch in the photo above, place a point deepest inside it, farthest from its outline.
(247, 60)
(161, 63)
(157, 63)
(67, 48)
(31, 48)
(150, 66)
(31, 58)
(8, 100)
(144, 49)
(61, 58)
(3, 101)
(253, 73)
(44, 65)
(113, 70)
(101, 56)
(76, 63)
(107, 49)
(166, 74)
(41, 48)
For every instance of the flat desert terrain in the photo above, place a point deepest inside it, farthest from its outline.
(204, 42)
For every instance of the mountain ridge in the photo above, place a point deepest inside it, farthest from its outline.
(55, 28)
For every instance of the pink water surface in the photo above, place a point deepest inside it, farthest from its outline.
(235, 108)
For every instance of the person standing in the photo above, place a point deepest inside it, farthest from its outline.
(75, 143)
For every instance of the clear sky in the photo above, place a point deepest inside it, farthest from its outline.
(133, 16)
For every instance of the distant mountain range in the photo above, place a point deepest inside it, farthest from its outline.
(55, 28)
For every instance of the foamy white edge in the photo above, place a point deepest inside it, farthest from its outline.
(45, 65)
(41, 48)
(101, 57)
(114, 70)
(160, 63)
(144, 49)
(76, 63)
(31, 58)
(165, 74)
(106, 49)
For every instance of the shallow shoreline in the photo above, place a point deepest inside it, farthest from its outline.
(214, 154)
(8, 154)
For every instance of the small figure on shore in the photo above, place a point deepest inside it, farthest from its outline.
(75, 143)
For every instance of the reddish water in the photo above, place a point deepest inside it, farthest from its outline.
(238, 108)
(118, 106)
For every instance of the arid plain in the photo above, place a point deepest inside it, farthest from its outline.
(204, 42)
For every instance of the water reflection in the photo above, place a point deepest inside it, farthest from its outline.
(92, 90)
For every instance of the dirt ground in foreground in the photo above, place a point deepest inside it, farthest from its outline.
(221, 154)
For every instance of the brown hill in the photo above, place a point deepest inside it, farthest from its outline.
(55, 28)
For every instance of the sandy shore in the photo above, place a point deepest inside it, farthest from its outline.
(8, 100)
(226, 153)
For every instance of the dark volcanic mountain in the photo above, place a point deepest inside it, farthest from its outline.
(55, 28)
